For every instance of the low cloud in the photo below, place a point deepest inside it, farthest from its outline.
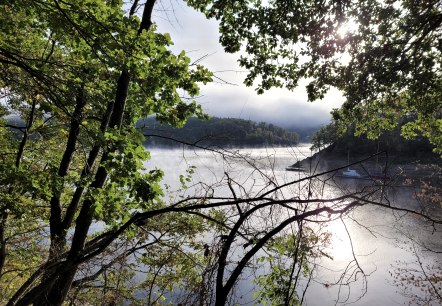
(281, 112)
(192, 32)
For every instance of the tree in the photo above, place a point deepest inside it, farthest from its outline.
(385, 56)
(325, 136)
(67, 70)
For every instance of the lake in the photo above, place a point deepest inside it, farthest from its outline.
(386, 243)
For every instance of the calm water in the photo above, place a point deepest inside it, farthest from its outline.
(380, 237)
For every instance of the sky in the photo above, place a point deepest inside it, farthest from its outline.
(192, 32)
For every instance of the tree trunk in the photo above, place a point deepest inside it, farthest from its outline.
(58, 235)
(58, 291)
(3, 212)
(3, 218)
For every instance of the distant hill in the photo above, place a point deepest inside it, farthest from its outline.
(390, 141)
(222, 132)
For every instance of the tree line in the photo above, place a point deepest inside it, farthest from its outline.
(219, 132)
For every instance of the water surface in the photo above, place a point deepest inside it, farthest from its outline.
(380, 239)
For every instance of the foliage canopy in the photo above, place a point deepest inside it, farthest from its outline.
(385, 56)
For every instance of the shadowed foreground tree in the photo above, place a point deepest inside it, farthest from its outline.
(79, 216)
(80, 74)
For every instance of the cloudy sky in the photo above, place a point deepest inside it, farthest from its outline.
(192, 32)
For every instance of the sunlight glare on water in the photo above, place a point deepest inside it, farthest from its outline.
(371, 233)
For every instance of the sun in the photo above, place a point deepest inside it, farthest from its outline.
(349, 27)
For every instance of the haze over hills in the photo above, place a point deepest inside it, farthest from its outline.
(216, 131)
(305, 133)
(223, 132)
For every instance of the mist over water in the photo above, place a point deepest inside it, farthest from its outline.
(379, 238)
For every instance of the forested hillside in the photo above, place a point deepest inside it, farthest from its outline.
(390, 141)
(223, 132)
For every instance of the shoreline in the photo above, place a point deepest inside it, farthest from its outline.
(401, 168)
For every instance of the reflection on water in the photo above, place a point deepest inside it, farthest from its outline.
(371, 238)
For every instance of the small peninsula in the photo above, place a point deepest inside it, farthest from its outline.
(402, 159)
